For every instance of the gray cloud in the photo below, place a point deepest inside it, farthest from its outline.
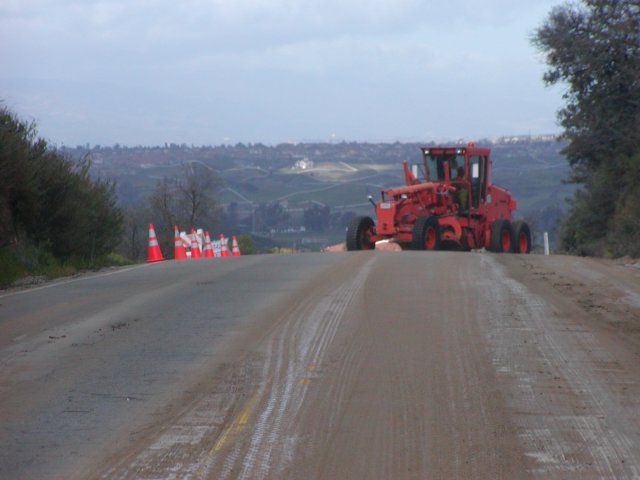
(273, 70)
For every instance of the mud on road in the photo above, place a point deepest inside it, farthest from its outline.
(428, 366)
(408, 365)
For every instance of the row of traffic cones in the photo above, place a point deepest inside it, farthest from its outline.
(180, 252)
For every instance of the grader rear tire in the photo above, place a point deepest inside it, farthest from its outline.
(358, 234)
(426, 234)
(502, 238)
(522, 237)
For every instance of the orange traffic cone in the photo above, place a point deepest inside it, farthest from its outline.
(179, 252)
(153, 252)
(208, 250)
(235, 249)
(224, 251)
(195, 248)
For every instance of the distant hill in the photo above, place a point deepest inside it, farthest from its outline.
(337, 175)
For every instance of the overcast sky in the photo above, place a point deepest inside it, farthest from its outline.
(206, 72)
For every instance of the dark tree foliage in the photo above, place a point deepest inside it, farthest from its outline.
(49, 200)
(316, 218)
(246, 244)
(270, 216)
(594, 49)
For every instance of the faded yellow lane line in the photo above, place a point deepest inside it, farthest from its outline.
(236, 426)
(309, 375)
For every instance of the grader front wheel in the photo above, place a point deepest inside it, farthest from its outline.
(359, 234)
(426, 234)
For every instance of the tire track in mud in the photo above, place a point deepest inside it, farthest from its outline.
(573, 419)
(295, 350)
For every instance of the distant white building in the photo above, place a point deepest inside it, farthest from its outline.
(303, 164)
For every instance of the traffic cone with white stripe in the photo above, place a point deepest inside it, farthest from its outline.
(235, 249)
(179, 252)
(153, 252)
(195, 248)
(224, 250)
(208, 250)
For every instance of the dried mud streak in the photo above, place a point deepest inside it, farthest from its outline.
(409, 391)
(574, 383)
(293, 354)
(230, 422)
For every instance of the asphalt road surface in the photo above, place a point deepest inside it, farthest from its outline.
(376, 365)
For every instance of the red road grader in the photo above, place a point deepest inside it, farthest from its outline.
(448, 202)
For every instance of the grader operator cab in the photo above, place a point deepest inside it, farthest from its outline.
(448, 202)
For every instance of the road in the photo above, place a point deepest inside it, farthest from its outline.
(377, 365)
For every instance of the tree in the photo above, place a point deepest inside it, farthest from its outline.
(341, 220)
(134, 240)
(20, 152)
(270, 216)
(594, 48)
(232, 216)
(197, 186)
(246, 245)
(316, 217)
(49, 200)
(164, 202)
(75, 215)
(187, 201)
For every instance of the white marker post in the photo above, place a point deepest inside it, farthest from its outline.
(546, 243)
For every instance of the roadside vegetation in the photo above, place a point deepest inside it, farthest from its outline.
(55, 219)
(593, 48)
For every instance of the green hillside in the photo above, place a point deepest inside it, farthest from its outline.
(338, 176)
